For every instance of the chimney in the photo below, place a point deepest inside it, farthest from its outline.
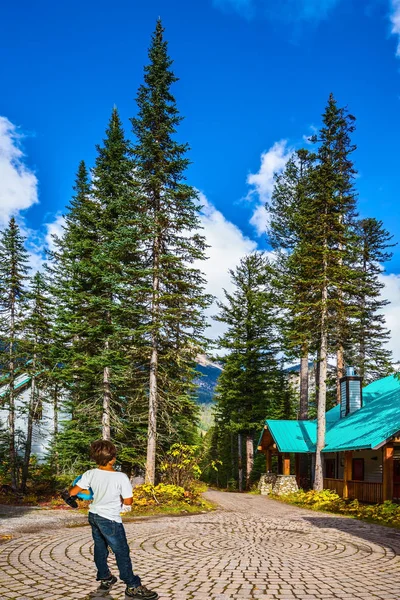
(350, 393)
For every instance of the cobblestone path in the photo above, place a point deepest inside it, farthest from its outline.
(253, 548)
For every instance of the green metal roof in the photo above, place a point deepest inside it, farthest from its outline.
(19, 384)
(367, 428)
(293, 436)
(371, 425)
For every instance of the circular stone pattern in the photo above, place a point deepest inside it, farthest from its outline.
(254, 549)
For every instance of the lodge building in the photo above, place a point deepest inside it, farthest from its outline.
(361, 457)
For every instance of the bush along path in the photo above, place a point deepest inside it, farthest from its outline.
(386, 513)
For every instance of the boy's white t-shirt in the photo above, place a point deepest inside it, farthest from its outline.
(108, 487)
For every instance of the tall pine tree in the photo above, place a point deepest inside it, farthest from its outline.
(174, 290)
(292, 191)
(328, 219)
(117, 258)
(13, 304)
(75, 285)
(367, 343)
(39, 342)
(246, 392)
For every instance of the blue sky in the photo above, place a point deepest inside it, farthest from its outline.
(254, 79)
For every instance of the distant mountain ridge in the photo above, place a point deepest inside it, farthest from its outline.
(209, 371)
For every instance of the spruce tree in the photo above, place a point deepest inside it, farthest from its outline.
(13, 304)
(245, 391)
(75, 285)
(39, 341)
(367, 343)
(291, 193)
(173, 285)
(329, 222)
(117, 259)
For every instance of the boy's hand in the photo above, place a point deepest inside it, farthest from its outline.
(77, 490)
(70, 500)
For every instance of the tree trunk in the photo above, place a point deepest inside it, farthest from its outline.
(303, 412)
(249, 459)
(233, 471)
(106, 421)
(152, 428)
(28, 445)
(303, 416)
(321, 419)
(153, 383)
(11, 426)
(363, 323)
(240, 463)
(55, 428)
(11, 404)
(339, 371)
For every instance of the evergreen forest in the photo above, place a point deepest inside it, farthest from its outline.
(103, 341)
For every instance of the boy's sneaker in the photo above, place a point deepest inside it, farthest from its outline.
(141, 592)
(105, 584)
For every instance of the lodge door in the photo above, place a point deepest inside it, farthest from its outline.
(358, 469)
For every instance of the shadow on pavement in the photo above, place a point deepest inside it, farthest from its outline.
(14, 512)
(100, 595)
(377, 534)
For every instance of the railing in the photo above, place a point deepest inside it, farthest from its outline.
(364, 491)
(336, 485)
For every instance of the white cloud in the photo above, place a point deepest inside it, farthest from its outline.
(391, 292)
(18, 184)
(19, 191)
(56, 227)
(395, 20)
(227, 246)
(272, 161)
(307, 137)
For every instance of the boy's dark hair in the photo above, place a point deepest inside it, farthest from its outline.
(102, 451)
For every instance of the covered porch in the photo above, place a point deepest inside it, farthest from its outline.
(282, 468)
(370, 475)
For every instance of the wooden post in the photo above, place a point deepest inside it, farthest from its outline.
(269, 461)
(240, 463)
(388, 453)
(297, 468)
(348, 468)
(286, 464)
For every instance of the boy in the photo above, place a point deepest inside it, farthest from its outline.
(109, 487)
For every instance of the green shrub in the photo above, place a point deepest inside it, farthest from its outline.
(180, 465)
(147, 495)
(327, 500)
(232, 485)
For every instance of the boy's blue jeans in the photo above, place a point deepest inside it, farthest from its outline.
(110, 533)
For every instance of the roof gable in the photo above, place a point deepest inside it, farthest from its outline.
(371, 425)
(368, 427)
(293, 436)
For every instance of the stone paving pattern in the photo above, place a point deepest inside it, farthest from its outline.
(252, 548)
